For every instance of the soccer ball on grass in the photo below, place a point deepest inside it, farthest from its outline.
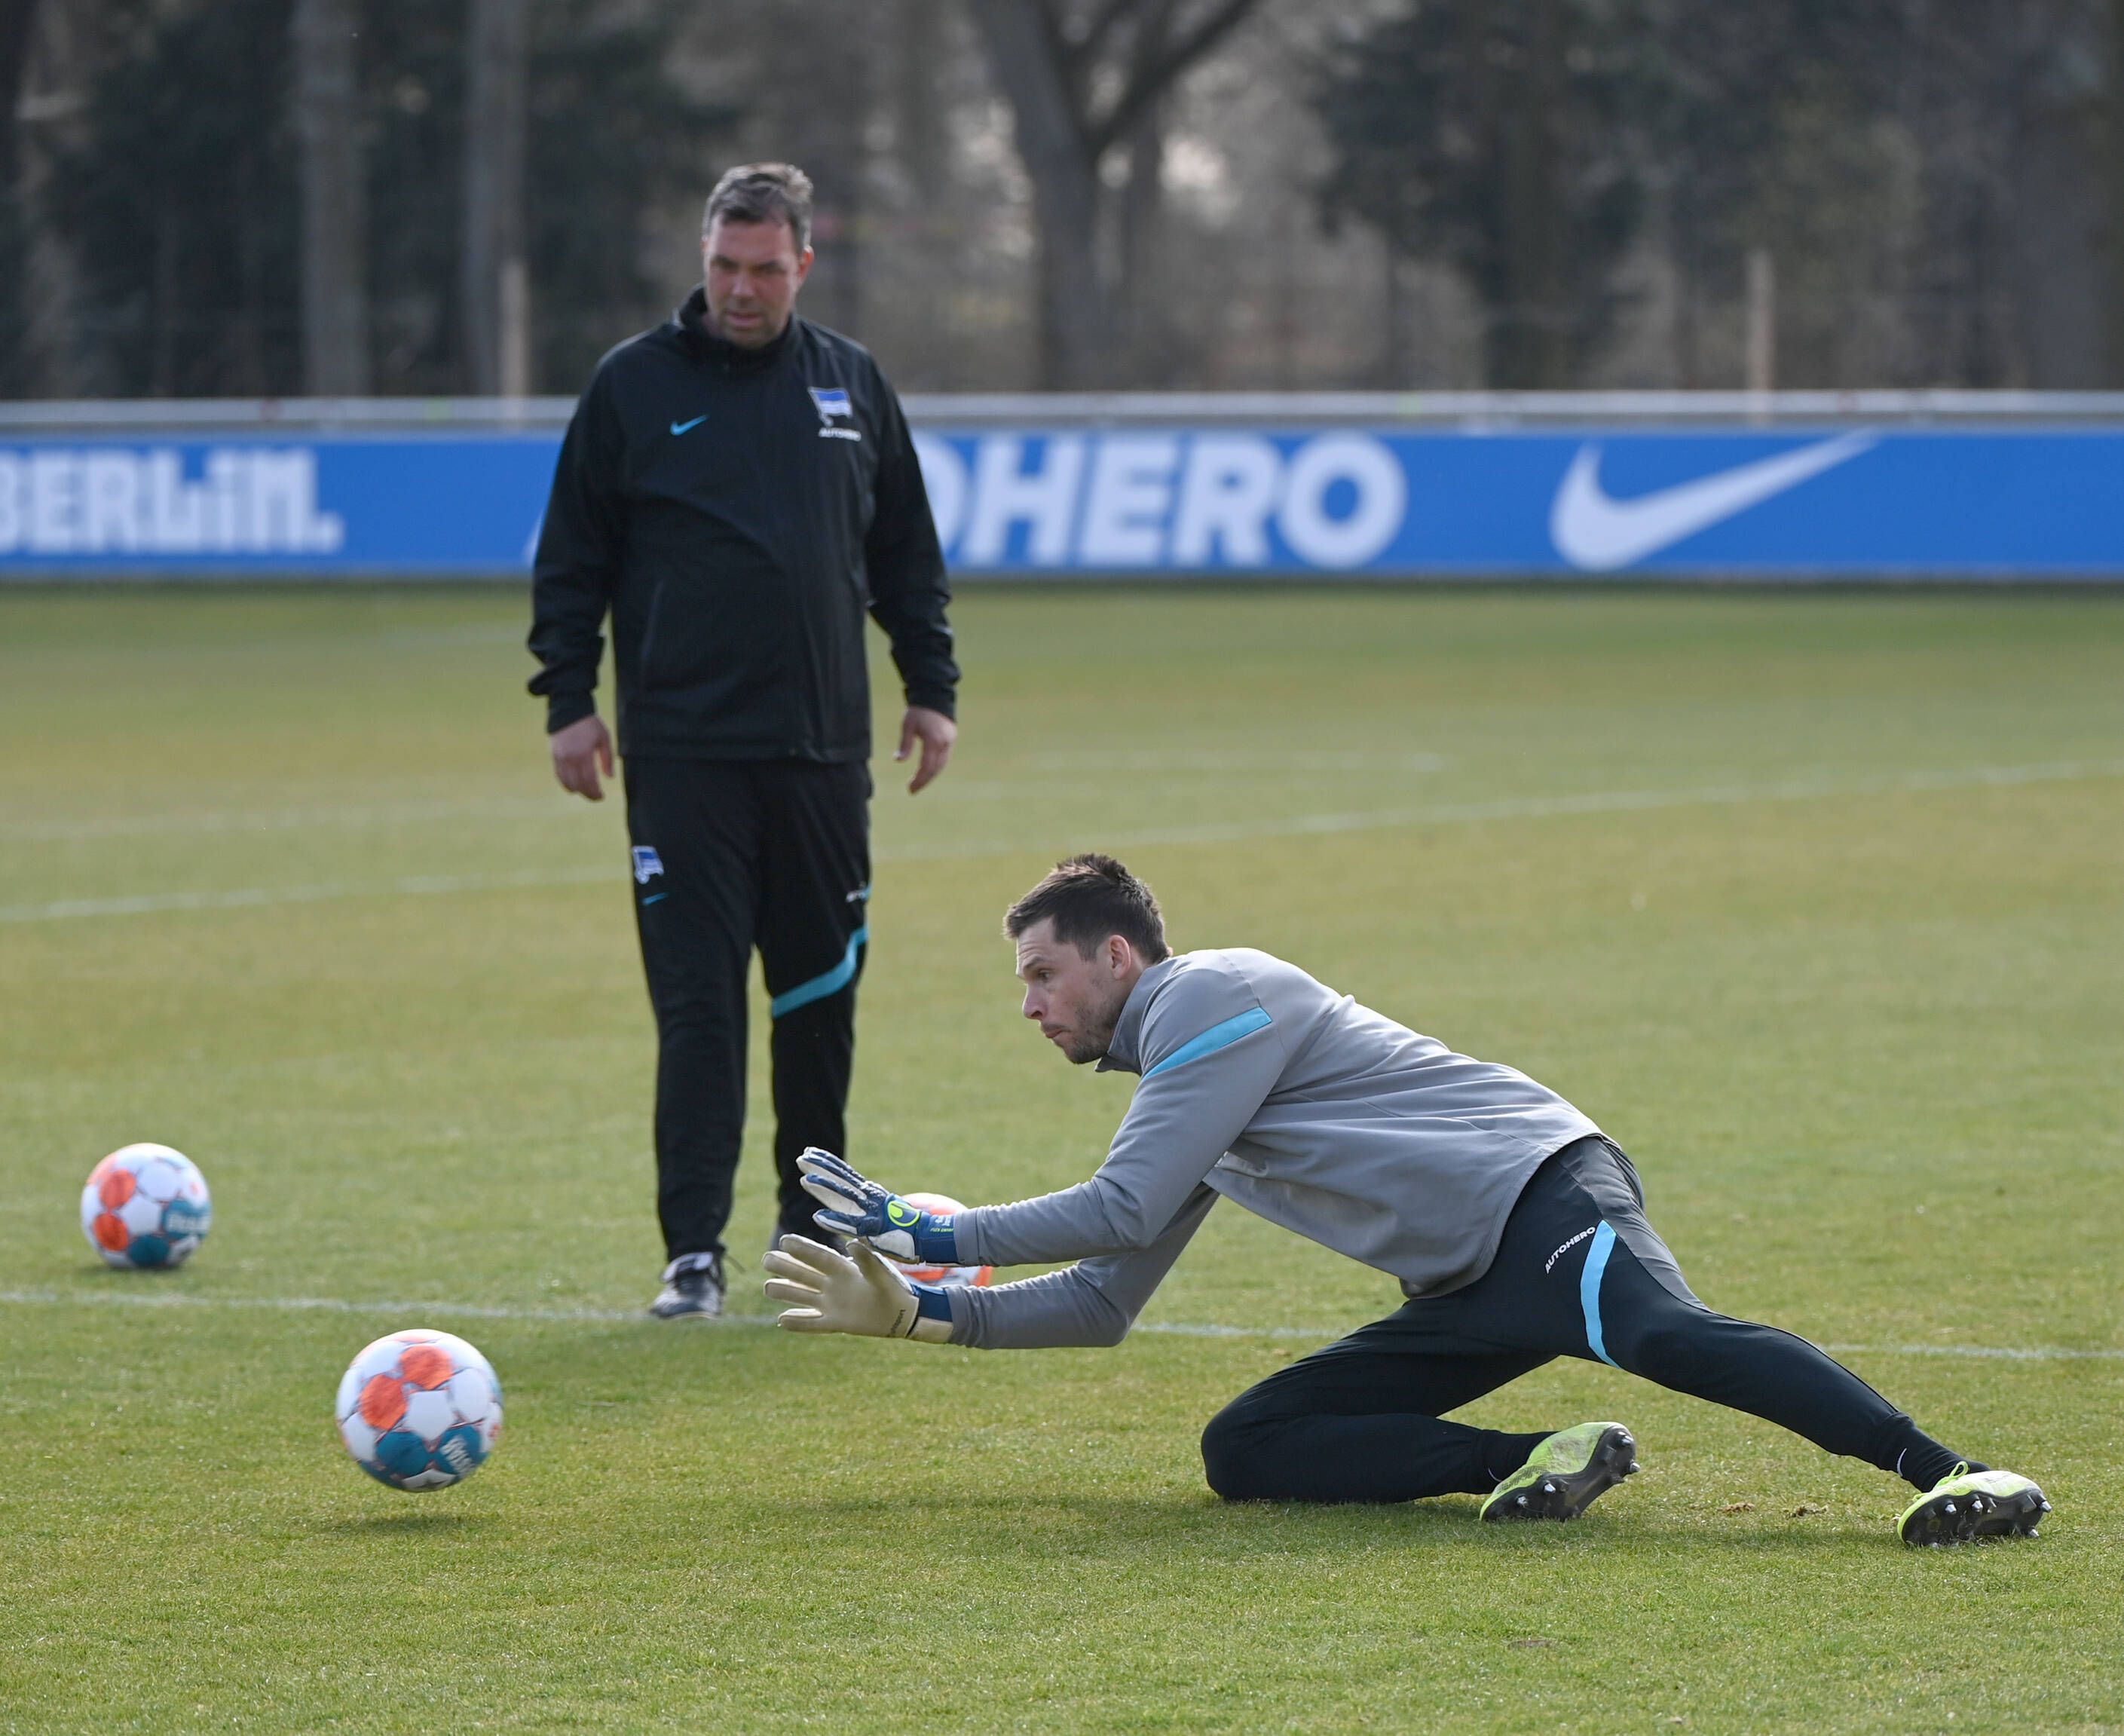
(420, 1410)
(145, 1207)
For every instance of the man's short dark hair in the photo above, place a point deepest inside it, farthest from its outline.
(764, 192)
(1087, 898)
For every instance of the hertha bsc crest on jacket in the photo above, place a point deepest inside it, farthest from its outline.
(837, 416)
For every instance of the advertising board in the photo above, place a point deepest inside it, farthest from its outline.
(1172, 500)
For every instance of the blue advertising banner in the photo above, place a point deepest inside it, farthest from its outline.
(1968, 502)
(427, 505)
(1951, 503)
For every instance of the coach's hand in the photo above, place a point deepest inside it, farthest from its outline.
(858, 1207)
(855, 1292)
(578, 751)
(936, 732)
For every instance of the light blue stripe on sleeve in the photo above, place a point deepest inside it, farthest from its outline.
(1217, 1037)
(831, 982)
(1589, 1290)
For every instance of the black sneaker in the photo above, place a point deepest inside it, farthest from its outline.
(693, 1289)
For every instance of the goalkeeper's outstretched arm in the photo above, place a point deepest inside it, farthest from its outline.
(1210, 1056)
(1092, 1303)
(1095, 1302)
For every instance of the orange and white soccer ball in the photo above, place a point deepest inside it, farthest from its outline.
(145, 1206)
(420, 1410)
(951, 1277)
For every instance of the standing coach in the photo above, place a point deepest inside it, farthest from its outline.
(737, 486)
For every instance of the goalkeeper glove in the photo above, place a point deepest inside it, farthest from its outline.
(858, 1207)
(855, 1292)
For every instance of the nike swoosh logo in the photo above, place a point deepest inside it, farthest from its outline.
(681, 427)
(1597, 533)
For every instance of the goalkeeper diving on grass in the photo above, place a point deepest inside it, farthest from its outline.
(1516, 1227)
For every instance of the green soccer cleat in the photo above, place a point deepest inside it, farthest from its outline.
(1965, 1505)
(1565, 1474)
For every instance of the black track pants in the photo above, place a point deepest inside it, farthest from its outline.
(1580, 1272)
(728, 856)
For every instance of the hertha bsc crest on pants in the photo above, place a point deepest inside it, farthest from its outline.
(647, 861)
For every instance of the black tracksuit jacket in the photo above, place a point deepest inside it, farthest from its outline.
(736, 510)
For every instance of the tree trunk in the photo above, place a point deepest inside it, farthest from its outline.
(832, 74)
(335, 304)
(1536, 346)
(17, 18)
(1396, 366)
(496, 320)
(2114, 151)
(1077, 335)
(1687, 255)
(1141, 286)
(920, 114)
(1142, 279)
(926, 351)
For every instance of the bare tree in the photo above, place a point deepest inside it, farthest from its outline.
(919, 115)
(1140, 281)
(494, 288)
(17, 18)
(2114, 167)
(1083, 80)
(818, 68)
(334, 299)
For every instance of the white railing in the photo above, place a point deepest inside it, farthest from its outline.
(1457, 410)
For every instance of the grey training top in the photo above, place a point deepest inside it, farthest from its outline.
(1265, 1086)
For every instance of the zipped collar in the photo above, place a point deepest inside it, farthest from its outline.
(1124, 1052)
(689, 325)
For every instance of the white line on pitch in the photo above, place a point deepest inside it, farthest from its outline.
(1616, 801)
(247, 897)
(282, 818)
(552, 803)
(1534, 808)
(1169, 1328)
(1210, 760)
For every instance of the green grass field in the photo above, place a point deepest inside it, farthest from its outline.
(1814, 902)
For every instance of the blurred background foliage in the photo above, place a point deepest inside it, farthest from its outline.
(1017, 194)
